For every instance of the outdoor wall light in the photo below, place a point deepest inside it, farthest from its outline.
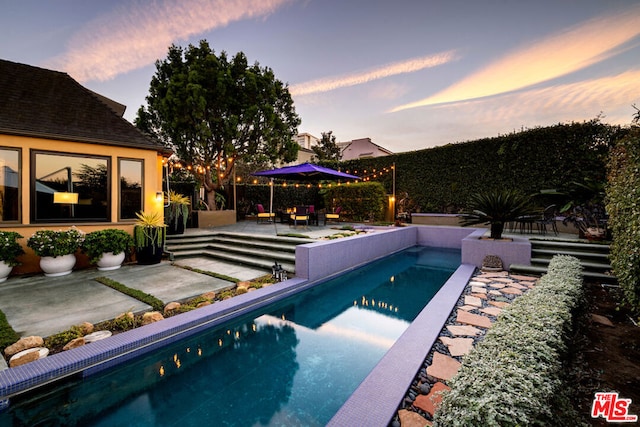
(159, 196)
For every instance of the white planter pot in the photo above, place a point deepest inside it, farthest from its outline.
(109, 261)
(5, 270)
(57, 266)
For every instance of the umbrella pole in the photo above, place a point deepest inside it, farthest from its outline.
(271, 197)
(275, 227)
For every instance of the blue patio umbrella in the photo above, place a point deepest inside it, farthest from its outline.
(303, 172)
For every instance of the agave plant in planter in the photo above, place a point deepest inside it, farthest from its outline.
(10, 250)
(107, 248)
(149, 234)
(177, 212)
(497, 209)
(56, 249)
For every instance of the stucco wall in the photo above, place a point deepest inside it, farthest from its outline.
(152, 183)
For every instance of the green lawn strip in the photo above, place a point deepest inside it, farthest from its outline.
(297, 235)
(209, 273)
(7, 335)
(154, 302)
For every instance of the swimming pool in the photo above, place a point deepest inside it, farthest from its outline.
(294, 362)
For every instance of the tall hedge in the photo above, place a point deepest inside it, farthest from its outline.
(623, 206)
(359, 202)
(441, 179)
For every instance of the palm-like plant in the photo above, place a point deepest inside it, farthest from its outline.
(497, 208)
(178, 209)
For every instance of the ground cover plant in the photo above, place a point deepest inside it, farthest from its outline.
(134, 293)
(515, 376)
(7, 335)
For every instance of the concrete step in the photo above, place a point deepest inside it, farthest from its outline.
(232, 245)
(602, 256)
(252, 261)
(256, 251)
(283, 246)
(540, 270)
(570, 244)
(587, 265)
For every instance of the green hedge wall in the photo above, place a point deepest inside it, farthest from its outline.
(623, 206)
(441, 179)
(359, 202)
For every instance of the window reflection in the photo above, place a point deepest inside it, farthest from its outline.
(9, 185)
(130, 177)
(70, 187)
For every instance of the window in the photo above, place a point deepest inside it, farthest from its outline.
(130, 177)
(69, 188)
(9, 184)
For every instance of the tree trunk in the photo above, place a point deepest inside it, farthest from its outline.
(496, 230)
(209, 190)
(210, 196)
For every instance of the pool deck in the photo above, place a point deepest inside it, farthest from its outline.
(54, 304)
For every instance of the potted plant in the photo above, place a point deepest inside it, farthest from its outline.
(149, 235)
(10, 250)
(177, 212)
(497, 209)
(107, 248)
(56, 249)
(590, 220)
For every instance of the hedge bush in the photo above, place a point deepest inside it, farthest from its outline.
(514, 376)
(623, 206)
(359, 202)
(442, 179)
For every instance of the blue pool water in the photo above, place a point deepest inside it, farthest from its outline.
(294, 362)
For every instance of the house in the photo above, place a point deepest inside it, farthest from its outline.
(306, 141)
(68, 157)
(361, 149)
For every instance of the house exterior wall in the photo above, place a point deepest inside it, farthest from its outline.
(152, 183)
(361, 149)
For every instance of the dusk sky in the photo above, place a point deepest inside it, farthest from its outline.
(409, 74)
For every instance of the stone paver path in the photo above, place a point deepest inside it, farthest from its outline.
(484, 298)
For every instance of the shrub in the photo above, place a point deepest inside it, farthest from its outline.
(623, 193)
(362, 201)
(515, 375)
(55, 243)
(10, 249)
(62, 338)
(110, 240)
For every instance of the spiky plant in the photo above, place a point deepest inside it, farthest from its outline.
(497, 208)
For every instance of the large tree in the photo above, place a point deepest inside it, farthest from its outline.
(327, 148)
(214, 112)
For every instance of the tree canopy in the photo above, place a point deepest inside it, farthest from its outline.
(327, 148)
(214, 111)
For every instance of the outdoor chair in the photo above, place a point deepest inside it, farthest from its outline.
(264, 216)
(335, 216)
(301, 213)
(548, 218)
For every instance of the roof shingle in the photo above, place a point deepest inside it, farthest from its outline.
(50, 104)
